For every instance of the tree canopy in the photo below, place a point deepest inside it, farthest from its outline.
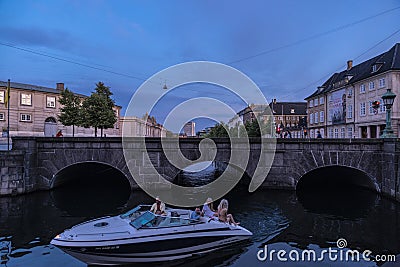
(252, 128)
(98, 109)
(70, 111)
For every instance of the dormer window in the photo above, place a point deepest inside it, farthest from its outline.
(348, 77)
(376, 67)
(292, 111)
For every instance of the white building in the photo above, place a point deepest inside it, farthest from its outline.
(343, 106)
(136, 127)
(189, 129)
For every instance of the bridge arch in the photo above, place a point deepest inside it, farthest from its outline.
(338, 190)
(335, 176)
(215, 168)
(86, 171)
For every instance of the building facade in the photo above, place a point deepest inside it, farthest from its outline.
(189, 129)
(345, 105)
(136, 127)
(34, 110)
(288, 117)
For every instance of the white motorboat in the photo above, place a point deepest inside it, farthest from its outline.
(141, 236)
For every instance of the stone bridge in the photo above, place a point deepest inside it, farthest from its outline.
(35, 162)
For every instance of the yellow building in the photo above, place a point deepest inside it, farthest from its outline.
(34, 110)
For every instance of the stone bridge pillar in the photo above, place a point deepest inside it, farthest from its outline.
(391, 168)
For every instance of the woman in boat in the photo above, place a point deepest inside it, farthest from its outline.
(158, 208)
(208, 209)
(223, 214)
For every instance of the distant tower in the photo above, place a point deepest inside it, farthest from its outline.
(189, 128)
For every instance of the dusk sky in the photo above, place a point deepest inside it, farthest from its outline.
(286, 47)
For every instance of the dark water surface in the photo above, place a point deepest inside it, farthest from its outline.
(279, 219)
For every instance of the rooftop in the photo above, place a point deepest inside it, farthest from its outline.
(389, 60)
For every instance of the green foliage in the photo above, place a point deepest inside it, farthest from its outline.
(218, 131)
(251, 128)
(70, 110)
(98, 109)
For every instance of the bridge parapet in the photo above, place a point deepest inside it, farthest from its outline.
(44, 157)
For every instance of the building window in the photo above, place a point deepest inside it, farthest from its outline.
(26, 99)
(26, 117)
(382, 107)
(2, 117)
(376, 67)
(350, 92)
(321, 100)
(371, 85)
(330, 133)
(371, 109)
(342, 132)
(315, 102)
(321, 116)
(50, 101)
(350, 111)
(311, 104)
(311, 133)
(362, 88)
(350, 132)
(362, 109)
(316, 117)
(1, 96)
(336, 133)
(311, 118)
(292, 111)
(382, 83)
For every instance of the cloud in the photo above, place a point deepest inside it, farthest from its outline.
(32, 36)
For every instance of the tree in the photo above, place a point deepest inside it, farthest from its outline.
(70, 110)
(98, 109)
(218, 130)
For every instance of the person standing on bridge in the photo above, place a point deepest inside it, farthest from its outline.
(59, 134)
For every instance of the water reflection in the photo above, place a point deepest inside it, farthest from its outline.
(279, 219)
(347, 202)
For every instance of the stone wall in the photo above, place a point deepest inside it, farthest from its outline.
(36, 161)
(12, 172)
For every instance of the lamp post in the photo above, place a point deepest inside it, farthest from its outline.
(388, 99)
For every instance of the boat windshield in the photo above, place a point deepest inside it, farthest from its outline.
(143, 219)
(135, 212)
(150, 220)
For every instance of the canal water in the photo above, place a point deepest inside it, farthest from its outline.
(280, 220)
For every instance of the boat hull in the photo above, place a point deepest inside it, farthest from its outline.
(173, 249)
(146, 238)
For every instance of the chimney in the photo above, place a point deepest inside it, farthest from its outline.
(60, 86)
(349, 64)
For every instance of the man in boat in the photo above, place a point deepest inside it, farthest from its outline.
(158, 208)
(196, 214)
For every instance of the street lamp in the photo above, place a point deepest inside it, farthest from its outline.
(388, 99)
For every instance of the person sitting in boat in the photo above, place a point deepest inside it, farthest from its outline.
(223, 214)
(196, 214)
(158, 208)
(208, 209)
